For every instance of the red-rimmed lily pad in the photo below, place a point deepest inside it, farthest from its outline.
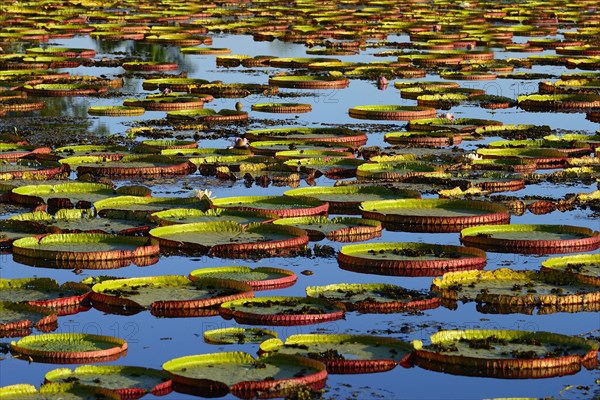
(506, 353)
(169, 295)
(347, 199)
(445, 124)
(18, 319)
(331, 135)
(391, 112)
(434, 215)
(395, 170)
(331, 167)
(238, 335)
(127, 381)
(191, 215)
(67, 298)
(56, 391)
(131, 165)
(216, 374)
(259, 278)
(15, 151)
(409, 259)
(112, 152)
(345, 354)
(543, 158)
(586, 267)
(69, 348)
(309, 82)
(341, 229)
(85, 247)
(135, 207)
(283, 206)
(531, 238)
(508, 291)
(230, 239)
(281, 311)
(374, 297)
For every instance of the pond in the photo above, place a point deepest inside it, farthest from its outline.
(153, 340)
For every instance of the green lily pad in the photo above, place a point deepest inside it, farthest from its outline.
(66, 348)
(331, 135)
(18, 319)
(238, 335)
(505, 353)
(347, 199)
(585, 267)
(134, 207)
(342, 229)
(281, 311)
(434, 215)
(169, 293)
(43, 292)
(229, 238)
(374, 297)
(259, 278)
(124, 380)
(345, 354)
(282, 206)
(531, 239)
(505, 291)
(409, 259)
(239, 373)
(56, 391)
(191, 215)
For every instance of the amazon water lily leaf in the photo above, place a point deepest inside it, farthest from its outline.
(68, 348)
(238, 335)
(342, 229)
(586, 267)
(283, 206)
(506, 353)
(57, 391)
(19, 319)
(345, 354)
(217, 374)
(128, 382)
(259, 278)
(44, 292)
(191, 215)
(281, 311)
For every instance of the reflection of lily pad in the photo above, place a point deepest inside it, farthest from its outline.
(409, 259)
(528, 239)
(238, 335)
(259, 278)
(374, 297)
(286, 311)
(345, 354)
(505, 354)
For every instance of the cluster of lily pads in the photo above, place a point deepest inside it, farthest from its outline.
(96, 222)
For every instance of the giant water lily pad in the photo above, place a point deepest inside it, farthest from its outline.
(434, 215)
(543, 158)
(347, 199)
(84, 247)
(281, 311)
(11, 230)
(259, 278)
(409, 259)
(191, 215)
(132, 165)
(43, 292)
(112, 152)
(169, 295)
(81, 220)
(332, 167)
(271, 147)
(331, 135)
(18, 319)
(282, 206)
(238, 335)
(374, 297)
(57, 391)
(134, 207)
(128, 382)
(586, 267)
(456, 125)
(391, 112)
(394, 171)
(345, 354)
(505, 290)
(506, 353)
(531, 239)
(239, 373)
(229, 239)
(71, 192)
(31, 168)
(67, 348)
(342, 229)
